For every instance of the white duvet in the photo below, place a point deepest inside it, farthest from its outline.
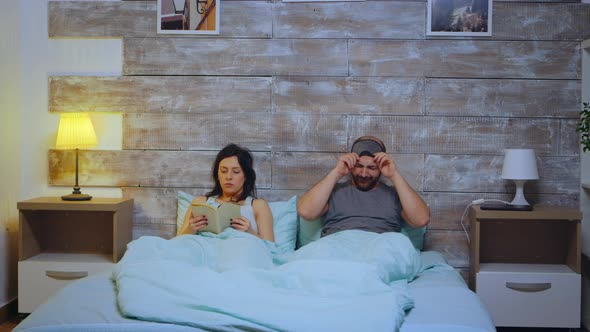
(348, 281)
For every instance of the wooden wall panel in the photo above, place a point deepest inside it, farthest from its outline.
(163, 231)
(100, 18)
(541, 21)
(569, 143)
(298, 82)
(463, 58)
(546, 1)
(277, 132)
(452, 245)
(160, 94)
(350, 95)
(252, 19)
(503, 97)
(255, 57)
(370, 19)
(472, 173)
(301, 170)
(459, 135)
(144, 168)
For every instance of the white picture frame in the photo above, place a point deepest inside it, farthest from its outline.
(188, 17)
(323, 0)
(459, 18)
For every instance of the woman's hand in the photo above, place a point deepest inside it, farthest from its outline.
(197, 223)
(241, 224)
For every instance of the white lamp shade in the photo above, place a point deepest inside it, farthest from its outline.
(75, 132)
(520, 164)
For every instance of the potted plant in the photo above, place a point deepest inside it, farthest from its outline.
(583, 126)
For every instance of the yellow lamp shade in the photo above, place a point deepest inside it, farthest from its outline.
(75, 132)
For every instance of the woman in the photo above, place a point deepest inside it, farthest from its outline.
(235, 180)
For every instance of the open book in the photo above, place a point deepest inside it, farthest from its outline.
(218, 218)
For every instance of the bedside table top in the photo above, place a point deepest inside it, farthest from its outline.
(57, 204)
(539, 212)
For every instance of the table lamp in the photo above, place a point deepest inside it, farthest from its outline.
(75, 132)
(520, 165)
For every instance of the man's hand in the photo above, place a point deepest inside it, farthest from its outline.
(386, 164)
(346, 163)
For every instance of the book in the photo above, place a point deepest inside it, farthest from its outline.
(218, 218)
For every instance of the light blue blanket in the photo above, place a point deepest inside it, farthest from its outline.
(348, 281)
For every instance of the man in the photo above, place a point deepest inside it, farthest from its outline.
(364, 202)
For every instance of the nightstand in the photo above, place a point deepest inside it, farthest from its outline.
(61, 241)
(525, 265)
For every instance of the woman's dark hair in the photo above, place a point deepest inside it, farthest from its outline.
(246, 163)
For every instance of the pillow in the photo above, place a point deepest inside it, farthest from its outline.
(184, 201)
(309, 231)
(284, 214)
(416, 235)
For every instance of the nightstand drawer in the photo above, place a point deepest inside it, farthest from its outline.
(533, 295)
(38, 280)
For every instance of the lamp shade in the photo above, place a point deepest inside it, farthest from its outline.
(520, 164)
(75, 132)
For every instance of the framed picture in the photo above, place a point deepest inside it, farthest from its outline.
(190, 17)
(459, 18)
(322, 0)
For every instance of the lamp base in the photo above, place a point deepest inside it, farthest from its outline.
(504, 206)
(76, 195)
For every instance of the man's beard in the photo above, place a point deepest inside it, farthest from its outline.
(365, 183)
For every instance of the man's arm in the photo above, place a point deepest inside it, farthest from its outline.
(414, 209)
(314, 203)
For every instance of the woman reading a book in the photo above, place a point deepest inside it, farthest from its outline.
(235, 182)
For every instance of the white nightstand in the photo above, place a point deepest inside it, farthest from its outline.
(61, 241)
(525, 265)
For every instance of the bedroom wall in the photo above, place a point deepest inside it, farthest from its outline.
(27, 129)
(298, 82)
(9, 150)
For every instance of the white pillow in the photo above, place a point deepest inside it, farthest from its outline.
(184, 201)
(309, 231)
(284, 214)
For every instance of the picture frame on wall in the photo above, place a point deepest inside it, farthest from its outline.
(459, 18)
(188, 17)
(323, 0)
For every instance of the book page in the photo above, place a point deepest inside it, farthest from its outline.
(226, 212)
(217, 218)
(210, 213)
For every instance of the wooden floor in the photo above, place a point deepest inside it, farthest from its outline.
(9, 325)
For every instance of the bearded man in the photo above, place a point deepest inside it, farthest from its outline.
(364, 202)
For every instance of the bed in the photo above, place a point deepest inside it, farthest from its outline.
(336, 283)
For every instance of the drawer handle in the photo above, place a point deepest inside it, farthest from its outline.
(65, 275)
(529, 287)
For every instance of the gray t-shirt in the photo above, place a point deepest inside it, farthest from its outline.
(378, 210)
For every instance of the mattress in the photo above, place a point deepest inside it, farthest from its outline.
(443, 303)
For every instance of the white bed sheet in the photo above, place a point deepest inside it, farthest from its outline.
(443, 303)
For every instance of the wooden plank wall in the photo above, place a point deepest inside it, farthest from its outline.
(298, 82)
